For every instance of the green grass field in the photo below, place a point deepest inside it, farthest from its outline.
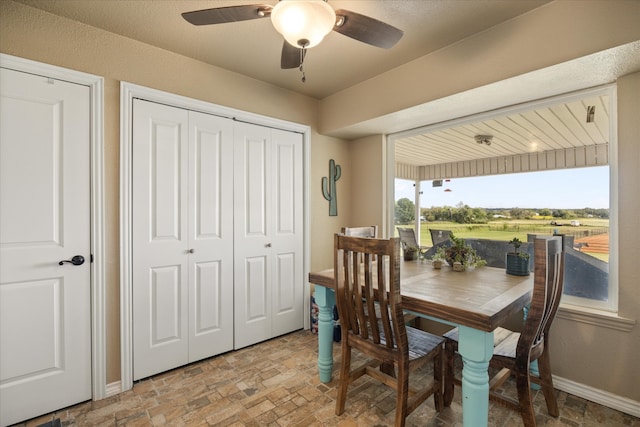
(507, 230)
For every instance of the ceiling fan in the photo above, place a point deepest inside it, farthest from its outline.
(303, 24)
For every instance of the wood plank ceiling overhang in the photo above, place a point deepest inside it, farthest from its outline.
(545, 137)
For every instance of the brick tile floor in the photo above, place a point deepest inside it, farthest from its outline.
(275, 383)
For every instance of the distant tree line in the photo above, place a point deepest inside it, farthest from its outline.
(464, 214)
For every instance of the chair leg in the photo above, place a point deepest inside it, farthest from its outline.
(449, 363)
(437, 378)
(345, 369)
(525, 401)
(544, 368)
(402, 397)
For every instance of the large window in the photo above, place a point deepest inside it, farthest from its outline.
(549, 169)
(572, 202)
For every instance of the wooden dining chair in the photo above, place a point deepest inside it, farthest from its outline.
(380, 334)
(513, 352)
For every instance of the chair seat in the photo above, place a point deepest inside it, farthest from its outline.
(507, 346)
(499, 335)
(421, 343)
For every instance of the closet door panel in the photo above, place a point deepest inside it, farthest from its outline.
(166, 309)
(165, 181)
(285, 286)
(287, 232)
(257, 288)
(208, 311)
(160, 290)
(252, 243)
(255, 186)
(210, 235)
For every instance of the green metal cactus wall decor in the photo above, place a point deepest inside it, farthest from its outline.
(329, 187)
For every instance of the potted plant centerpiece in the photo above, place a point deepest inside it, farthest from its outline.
(460, 255)
(517, 262)
(438, 258)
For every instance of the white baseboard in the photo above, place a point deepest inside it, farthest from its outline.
(600, 397)
(113, 389)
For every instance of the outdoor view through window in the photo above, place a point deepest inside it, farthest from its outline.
(573, 202)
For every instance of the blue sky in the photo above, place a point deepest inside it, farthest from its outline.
(560, 189)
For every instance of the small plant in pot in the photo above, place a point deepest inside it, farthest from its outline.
(438, 258)
(460, 255)
(517, 261)
(411, 253)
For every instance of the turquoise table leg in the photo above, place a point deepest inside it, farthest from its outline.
(476, 349)
(326, 299)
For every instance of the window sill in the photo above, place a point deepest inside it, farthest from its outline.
(595, 317)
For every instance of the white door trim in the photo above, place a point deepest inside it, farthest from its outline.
(129, 91)
(98, 319)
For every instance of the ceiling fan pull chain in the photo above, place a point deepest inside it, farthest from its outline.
(304, 78)
(303, 53)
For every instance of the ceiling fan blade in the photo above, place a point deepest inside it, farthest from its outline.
(291, 56)
(367, 30)
(221, 15)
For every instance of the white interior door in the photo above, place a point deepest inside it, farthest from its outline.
(45, 317)
(182, 237)
(268, 233)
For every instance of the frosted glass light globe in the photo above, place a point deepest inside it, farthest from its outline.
(303, 23)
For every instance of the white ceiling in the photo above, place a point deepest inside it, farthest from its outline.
(252, 48)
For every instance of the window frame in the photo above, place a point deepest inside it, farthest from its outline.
(569, 303)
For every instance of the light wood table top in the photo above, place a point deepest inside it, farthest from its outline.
(481, 298)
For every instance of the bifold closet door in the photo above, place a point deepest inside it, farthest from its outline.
(268, 206)
(182, 237)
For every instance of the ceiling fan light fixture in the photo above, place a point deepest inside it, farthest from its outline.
(303, 23)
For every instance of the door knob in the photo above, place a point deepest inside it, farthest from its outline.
(76, 260)
(268, 245)
(191, 251)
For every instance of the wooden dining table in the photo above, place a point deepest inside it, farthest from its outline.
(477, 301)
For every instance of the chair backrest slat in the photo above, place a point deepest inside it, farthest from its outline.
(556, 276)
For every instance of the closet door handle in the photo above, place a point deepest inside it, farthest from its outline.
(268, 245)
(191, 250)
